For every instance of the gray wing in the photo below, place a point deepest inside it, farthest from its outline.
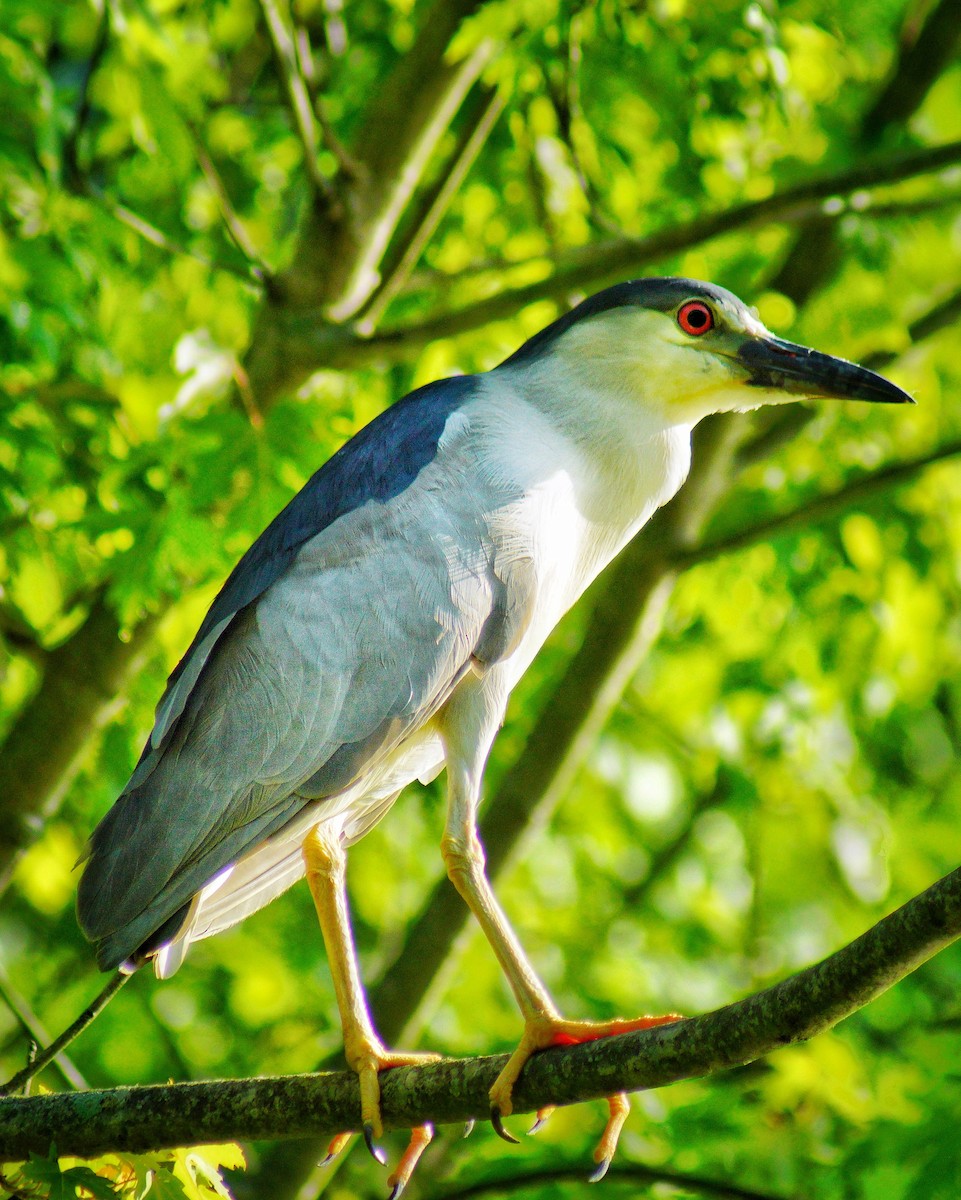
(351, 647)
(379, 463)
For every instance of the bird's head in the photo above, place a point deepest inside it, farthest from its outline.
(686, 349)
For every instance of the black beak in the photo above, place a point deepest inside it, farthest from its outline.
(772, 363)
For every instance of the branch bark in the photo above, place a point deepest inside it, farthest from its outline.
(160, 1117)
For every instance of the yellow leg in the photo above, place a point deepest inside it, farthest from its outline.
(543, 1025)
(365, 1053)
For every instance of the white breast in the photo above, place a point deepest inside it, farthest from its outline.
(582, 479)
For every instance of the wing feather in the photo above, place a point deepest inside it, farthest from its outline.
(378, 463)
(304, 690)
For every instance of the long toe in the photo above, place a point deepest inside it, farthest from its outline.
(336, 1145)
(368, 1073)
(619, 1106)
(541, 1117)
(400, 1176)
(502, 1091)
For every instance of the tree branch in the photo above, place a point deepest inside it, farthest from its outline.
(817, 253)
(920, 62)
(310, 342)
(54, 1051)
(160, 1117)
(635, 1173)
(83, 684)
(819, 508)
(398, 267)
(285, 55)
(595, 264)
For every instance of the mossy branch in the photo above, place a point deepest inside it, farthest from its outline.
(150, 1118)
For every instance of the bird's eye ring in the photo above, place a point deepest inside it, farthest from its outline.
(695, 318)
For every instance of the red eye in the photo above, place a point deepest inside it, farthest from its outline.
(695, 318)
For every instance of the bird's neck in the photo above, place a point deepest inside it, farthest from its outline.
(626, 456)
(597, 465)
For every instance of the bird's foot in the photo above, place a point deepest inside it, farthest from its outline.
(368, 1062)
(368, 1059)
(420, 1139)
(544, 1031)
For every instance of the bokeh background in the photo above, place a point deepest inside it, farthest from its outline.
(232, 232)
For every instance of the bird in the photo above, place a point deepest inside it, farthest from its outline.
(372, 634)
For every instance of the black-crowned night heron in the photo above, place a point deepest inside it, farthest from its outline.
(373, 633)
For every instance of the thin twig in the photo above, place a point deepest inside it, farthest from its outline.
(232, 221)
(434, 279)
(56, 1047)
(818, 509)
(285, 52)
(35, 1030)
(305, 62)
(916, 207)
(470, 145)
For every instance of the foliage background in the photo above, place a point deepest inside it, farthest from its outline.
(203, 294)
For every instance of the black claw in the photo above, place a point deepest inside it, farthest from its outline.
(326, 1160)
(396, 1190)
(376, 1152)
(469, 1127)
(599, 1171)
(499, 1129)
